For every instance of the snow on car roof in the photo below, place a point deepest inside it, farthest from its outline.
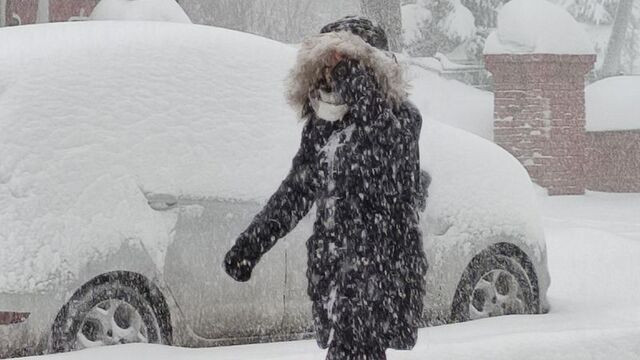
(162, 102)
(94, 115)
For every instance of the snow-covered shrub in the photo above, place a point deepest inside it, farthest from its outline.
(433, 26)
(596, 12)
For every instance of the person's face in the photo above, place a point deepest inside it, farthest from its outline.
(335, 58)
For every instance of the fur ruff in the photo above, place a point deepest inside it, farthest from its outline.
(315, 54)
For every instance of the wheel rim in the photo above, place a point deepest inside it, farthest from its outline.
(497, 293)
(112, 322)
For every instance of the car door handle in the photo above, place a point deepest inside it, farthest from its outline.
(162, 202)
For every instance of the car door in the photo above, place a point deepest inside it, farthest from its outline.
(298, 317)
(214, 305)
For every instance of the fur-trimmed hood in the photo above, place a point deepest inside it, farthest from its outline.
(315, 54)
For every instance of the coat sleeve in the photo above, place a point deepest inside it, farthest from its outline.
(286, 207)
(359, 89)
(402, 139)
(422, 179)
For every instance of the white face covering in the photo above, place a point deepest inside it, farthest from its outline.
(327, 105)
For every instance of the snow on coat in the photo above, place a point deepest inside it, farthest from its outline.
(366, 264)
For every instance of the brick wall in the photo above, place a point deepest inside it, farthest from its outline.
(63, 10)
(59, 10)
(613, 161)
(539, 115)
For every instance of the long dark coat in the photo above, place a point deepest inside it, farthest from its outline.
(366, 264)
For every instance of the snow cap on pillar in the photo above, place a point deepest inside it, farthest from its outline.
(537, 27)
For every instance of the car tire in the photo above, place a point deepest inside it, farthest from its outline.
(493, 285)
(107, 313)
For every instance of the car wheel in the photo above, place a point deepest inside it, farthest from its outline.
(110, 313)
(493, 285)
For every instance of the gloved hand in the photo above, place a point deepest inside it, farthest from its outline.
(238, 265)
(425, 181)
(356, 85)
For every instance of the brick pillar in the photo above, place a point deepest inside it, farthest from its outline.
(20, 12)
(539, 115)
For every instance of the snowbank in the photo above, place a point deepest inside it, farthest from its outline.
(140, 10)
(537, 26)
(613, 104)
(595, 313)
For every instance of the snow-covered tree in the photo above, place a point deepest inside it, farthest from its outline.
(485, 12)
(631, 53)
(445, 25)
(591, 11)
(387, 14)
(284, 20)
(622, 30)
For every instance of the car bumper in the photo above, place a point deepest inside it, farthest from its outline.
(25, 321)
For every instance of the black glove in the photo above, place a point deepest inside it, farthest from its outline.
(425, 181)
(356, 85)
(238, 265)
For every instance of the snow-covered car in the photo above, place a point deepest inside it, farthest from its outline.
(133, 154)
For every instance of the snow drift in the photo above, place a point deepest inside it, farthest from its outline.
(95, 115)
(612, 104)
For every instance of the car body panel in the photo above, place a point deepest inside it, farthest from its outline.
(215, 306)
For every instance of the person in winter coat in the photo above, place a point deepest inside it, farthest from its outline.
(359, 163)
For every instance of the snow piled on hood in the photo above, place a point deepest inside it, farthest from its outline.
(537, 27)
(140, 10)
(95, 115)
(478, 190)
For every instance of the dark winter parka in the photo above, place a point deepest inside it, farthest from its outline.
(366, 264)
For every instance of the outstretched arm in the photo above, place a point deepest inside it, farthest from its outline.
(290, 203)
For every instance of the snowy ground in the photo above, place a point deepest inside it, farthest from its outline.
(594, 251)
